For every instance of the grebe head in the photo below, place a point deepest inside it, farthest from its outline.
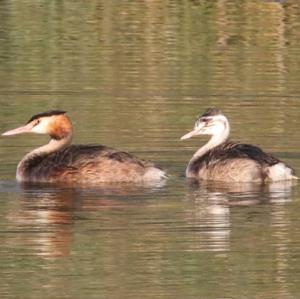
(212, 122)
(54, 123)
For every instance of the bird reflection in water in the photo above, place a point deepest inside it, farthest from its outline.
(209, 221)
(45, 221)
(47, 214)
(246, 193)
(210, 217)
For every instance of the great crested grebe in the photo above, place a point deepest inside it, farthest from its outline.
(59, 161)
(222, 160)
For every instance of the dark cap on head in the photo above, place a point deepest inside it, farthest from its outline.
(45, 114)
(211, 112)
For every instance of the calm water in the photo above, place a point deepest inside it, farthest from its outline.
(135, 75)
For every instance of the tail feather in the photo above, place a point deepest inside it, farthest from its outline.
(153, 174)
(280, 172)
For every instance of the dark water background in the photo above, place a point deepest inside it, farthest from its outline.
(135, 75)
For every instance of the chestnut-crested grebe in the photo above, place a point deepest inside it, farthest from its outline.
(59, 161)
(222, 160)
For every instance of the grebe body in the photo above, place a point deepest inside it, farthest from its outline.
(59, 161)
(222, 160)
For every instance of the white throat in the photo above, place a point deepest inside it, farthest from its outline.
(220, 136)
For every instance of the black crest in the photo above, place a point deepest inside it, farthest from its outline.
(211, 112)
(45, 114)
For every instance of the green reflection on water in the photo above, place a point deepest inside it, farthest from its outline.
(135, 75)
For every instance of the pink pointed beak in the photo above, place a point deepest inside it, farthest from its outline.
(24, 129)
(196, 131)
(189, 135)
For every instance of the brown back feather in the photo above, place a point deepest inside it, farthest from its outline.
(85, 162)
(230, 150)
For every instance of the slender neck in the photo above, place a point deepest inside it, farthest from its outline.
(213, 142)
(51, 147)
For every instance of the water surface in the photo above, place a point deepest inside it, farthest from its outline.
(135, 75)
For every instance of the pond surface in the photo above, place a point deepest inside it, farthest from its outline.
(135, 75)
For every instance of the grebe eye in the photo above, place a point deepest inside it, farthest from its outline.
(37, 122)
(205, 119)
